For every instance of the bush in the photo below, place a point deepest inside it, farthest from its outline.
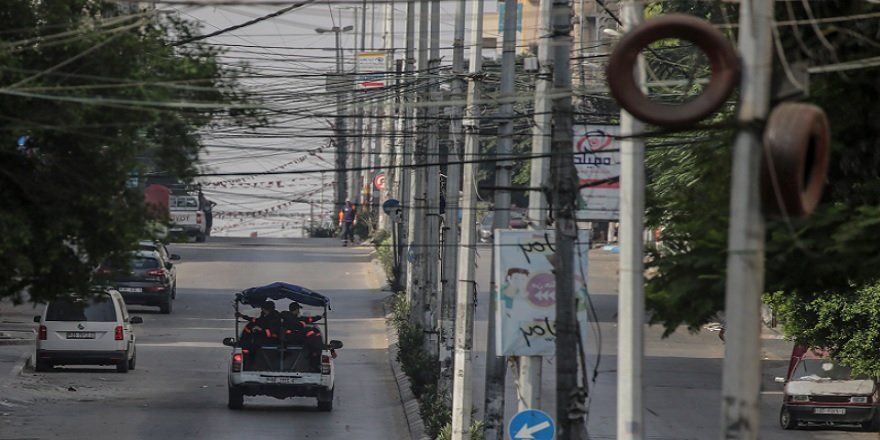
(421, 367)
(385, 252)
(476, 431)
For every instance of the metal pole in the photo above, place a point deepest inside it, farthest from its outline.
(464, 306)
(496, 364)
(631, 299)
(530, 367)
(453, 187)
(570, 398)
(740, 402)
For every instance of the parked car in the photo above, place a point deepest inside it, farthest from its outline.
(86, 331)
(144, 281)
(486, 228)
(168, 260)
(820, 390)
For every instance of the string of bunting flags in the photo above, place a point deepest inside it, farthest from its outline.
(238, 180)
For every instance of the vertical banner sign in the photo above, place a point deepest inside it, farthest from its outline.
(597, 159)
(371, 70)
(524, 271)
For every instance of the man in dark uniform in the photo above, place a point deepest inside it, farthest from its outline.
(298, 330)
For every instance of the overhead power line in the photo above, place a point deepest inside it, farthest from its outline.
(242, 25)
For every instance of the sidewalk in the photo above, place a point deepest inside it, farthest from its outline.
(16, 348)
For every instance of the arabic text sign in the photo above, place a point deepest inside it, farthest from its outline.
(597, 160)
(371, 70)
(526, 313)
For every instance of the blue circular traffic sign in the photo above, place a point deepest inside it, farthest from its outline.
(531, 424)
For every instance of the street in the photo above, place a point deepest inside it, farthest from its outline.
(178, 390)
(179, 387)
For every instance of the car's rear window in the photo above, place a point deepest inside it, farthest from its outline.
(95, 310)
(144, 263)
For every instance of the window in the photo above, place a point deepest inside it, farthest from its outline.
(822, 369)
(77, 309)
(144, 263)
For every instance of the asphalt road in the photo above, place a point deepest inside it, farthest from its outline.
(178, 390)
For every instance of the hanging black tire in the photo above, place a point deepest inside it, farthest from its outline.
(786, 421)
(236, 399)
(627, 91)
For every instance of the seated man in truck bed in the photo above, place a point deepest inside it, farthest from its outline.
(298, 331)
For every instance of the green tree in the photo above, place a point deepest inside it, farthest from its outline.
(90, 98)
(825, 268)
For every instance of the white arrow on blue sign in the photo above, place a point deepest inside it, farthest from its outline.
(531, 424)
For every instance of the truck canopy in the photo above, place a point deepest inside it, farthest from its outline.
(279, 290)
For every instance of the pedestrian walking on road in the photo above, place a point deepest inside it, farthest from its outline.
(348, 220)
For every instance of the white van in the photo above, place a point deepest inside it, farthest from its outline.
(93, 331)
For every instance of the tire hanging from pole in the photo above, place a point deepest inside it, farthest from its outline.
(718, 49)
(795, 161)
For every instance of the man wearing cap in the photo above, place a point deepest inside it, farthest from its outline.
(348, 220)
(299, 331)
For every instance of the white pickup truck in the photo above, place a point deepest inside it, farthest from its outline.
(186, 216)
(281, 365)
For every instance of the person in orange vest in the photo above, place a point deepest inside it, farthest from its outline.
(348, 220)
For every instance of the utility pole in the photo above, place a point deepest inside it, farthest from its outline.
(340, 85)
(387, 154)
(453, 187)
(464, 305)
(356, 159)
(570, 399)
(416, 281)
(496, 364)
(407, 178)
(432, 199)
(530, 367)
(631, 300)
(741, 385)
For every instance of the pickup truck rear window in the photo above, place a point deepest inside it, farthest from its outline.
(183, 202)
(96, 310)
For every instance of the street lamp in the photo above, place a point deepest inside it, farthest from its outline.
(341, 143)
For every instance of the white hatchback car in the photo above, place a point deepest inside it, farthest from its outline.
(93, 331)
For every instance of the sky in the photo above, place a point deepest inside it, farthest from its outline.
(287, 58)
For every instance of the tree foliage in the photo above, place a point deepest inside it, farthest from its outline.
(90, 98)
(824, 269)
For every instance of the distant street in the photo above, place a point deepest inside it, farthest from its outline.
(178, 390)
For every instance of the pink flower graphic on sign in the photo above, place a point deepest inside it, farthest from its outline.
(542, 290)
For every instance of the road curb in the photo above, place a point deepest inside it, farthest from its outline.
(23, 362)
(410, 404)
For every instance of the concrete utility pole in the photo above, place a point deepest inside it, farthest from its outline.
(496, 365)
(432, 215)
(416, 280)
(453, 187)
(631, 305)
(341, 85)
(530, 367)
(357, 154)
(407, 178)
(570, 413)
(464, 305)
(741, 386)
(387, 155)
